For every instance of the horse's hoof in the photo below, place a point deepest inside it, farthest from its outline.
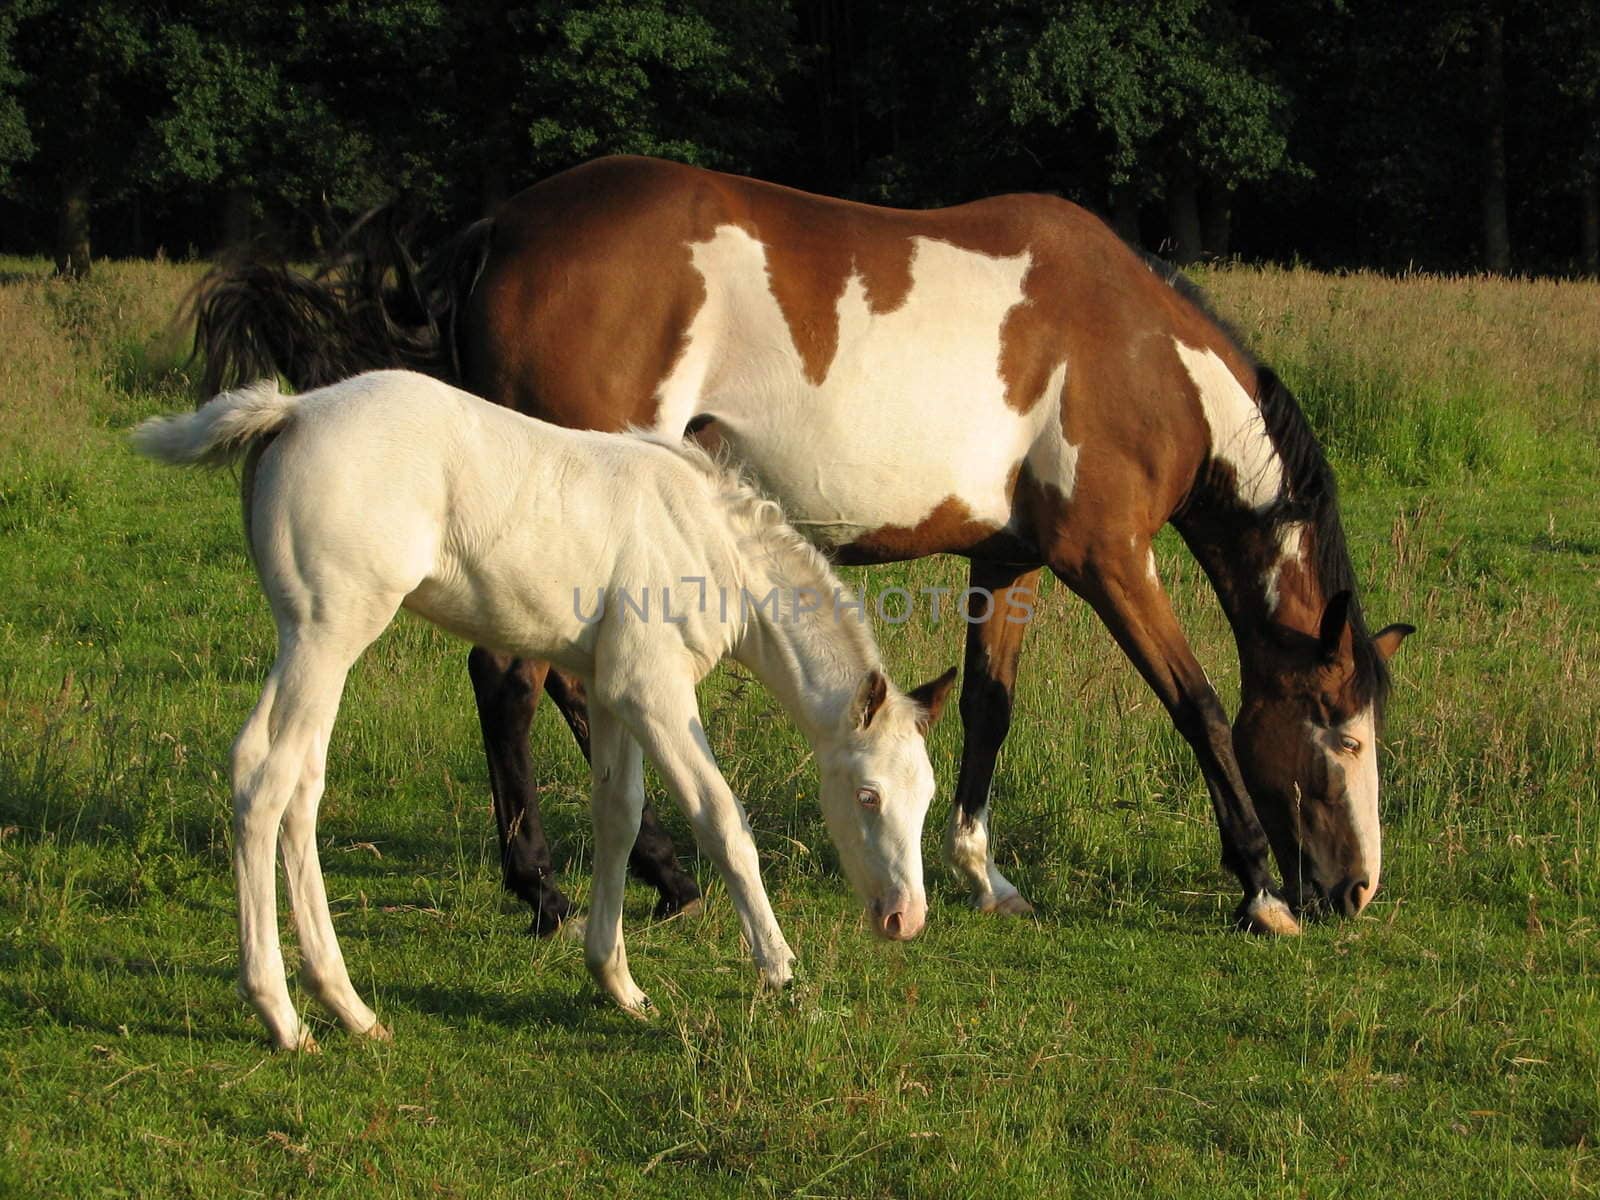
(642, 1009)
(574, 928)
(378, 1032)
(673, 906)
(692, 909)
(1009, 905)
(1266, 913)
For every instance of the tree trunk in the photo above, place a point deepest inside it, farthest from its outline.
(1591, 223)
(1217, 221)
(1496, 233)
(236, 219)
(1125, 213)
(72, 228)
(1183, 214)
(493, 187)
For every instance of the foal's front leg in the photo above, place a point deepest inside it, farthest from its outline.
(668, 727)
(617, 799)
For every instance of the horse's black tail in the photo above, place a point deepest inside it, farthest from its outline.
(370, 304)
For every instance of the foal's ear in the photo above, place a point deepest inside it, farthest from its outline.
(1387, 640)
(930, 698)
(874, 690)
(1334, 636)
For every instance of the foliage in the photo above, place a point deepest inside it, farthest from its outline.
(1341, 131)
(1133, 86)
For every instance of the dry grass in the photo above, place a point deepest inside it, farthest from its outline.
(1423, 379)
(73, 351)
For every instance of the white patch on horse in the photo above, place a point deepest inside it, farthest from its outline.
(1361, 784)
(1150, 567)
(966, 851)
(903, 388)
(1238, 434)
(1291, 545)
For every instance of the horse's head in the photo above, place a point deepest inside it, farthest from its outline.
(1306, 743)
(876, 787)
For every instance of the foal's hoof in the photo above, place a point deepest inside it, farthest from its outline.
(301, 1043)
(779, 978)
(640, 1008)
(1266, 913)
(1010, 905)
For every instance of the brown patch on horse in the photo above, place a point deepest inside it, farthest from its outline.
(813, 246)
(559, 324)
(950, 527)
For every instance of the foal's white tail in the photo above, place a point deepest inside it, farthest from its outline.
(220, 431)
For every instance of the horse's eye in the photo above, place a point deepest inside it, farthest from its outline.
(869, 798)
(1349, 744)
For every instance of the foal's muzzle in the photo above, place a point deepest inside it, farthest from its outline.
(897, 920)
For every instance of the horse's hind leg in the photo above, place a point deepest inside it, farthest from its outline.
(1003, 595)
(617, 799)
(507, 692)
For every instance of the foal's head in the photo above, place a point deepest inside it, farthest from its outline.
(1306, 742)
(876, 786)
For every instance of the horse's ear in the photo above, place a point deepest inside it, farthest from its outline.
(874, 690)
(1387, 640)
(1334, 638)
(930, 698)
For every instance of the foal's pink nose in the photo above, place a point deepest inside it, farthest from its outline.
(901, 923)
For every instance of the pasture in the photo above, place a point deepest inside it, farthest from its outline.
(1122, 1042)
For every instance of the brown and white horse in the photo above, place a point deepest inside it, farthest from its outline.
(1003, 380)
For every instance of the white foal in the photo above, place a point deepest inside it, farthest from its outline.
(633, 563)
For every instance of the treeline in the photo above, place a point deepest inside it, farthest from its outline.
(1445, 134)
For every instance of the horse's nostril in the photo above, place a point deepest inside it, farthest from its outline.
(892, 925)
(1348, 896)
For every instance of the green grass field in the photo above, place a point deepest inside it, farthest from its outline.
(1123, 1042)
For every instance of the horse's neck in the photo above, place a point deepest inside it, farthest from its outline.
(1264, 573)
(806, 656)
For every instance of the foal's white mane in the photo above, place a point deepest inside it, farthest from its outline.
(783, 556)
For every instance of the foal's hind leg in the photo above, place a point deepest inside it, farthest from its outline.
(322, 967)
(273, 757)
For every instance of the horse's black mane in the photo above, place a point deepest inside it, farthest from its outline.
(1310, 494)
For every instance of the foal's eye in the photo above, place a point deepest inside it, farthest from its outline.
(868, 798)
(1349, 744)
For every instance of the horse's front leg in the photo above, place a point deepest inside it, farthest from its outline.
(665, 719)
(1000, 604)
(617, 799)
(1123, 588)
